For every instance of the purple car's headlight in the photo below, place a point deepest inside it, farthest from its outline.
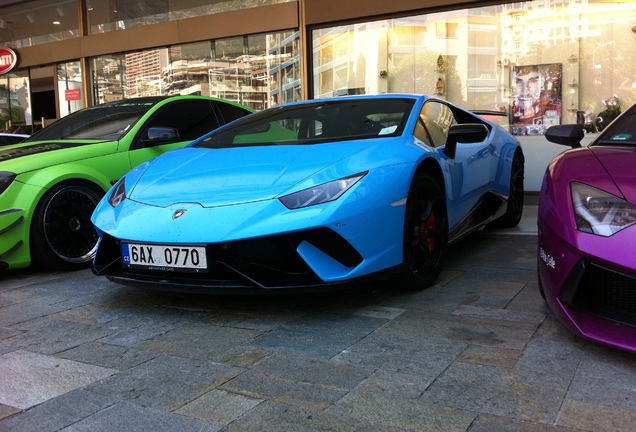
(598, 212)
(321, 193)
(6, 178)
(118, 194)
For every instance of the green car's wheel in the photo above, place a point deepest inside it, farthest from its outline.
(62, 235)
(425, 232)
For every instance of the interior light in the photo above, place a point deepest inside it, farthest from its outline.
(30, 17)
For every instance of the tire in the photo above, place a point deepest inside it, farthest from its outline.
(425, 233)
(62, 235)
(514, 207)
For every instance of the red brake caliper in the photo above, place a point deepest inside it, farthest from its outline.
(427, 232)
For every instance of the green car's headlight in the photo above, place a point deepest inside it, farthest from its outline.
(599, 212)
(321, 193)
(6, 178)
(118, 194)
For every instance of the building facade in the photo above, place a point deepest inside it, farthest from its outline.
(539, 62)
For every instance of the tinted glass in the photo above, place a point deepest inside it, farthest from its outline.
(106, 122)
(622, 131)
(317, 122)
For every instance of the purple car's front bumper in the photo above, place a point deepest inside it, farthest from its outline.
(589, 281)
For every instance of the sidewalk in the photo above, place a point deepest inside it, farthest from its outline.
(479, 351)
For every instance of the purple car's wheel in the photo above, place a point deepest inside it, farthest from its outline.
(425, 233)
(62, 235)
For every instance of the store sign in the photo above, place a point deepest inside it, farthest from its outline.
(8, 59)
(72, 95)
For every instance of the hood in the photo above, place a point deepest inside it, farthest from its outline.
(29, 156)
(217, 177)
(619, 163)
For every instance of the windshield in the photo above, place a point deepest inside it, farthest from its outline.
(314, 123)
(102, 122)
(620, 132)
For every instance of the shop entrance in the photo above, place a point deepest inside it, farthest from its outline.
(43, 98)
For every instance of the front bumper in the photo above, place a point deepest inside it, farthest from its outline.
(267, 264)
(16, 210)
(590, 282)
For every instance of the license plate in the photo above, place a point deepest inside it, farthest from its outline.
(162, 257)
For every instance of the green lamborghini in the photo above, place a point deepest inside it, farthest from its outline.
(51, 182)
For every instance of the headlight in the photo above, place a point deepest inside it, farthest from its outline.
(599, 212)
(118, 194)
(320, 193)
(6, 178)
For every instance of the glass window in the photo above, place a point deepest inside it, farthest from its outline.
(437, 119)
(470, 57)
(257, 71)
(107, 16)
(15, 109)
(39, 22)
(192, 119)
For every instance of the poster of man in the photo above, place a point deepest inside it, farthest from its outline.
(536, 103)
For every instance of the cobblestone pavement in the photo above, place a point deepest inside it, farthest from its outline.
(478, 351)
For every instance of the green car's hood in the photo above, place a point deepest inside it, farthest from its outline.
(30, 156)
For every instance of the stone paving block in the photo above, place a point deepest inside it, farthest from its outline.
(211, 341)
(501, 274)
(109, 356)
(31, 309)
(499, 314)
(29, 379)
(6, 411)
(402, 353)
(395, 384)
(219, 407)
(281, 417)
(310, 370)
(258, 385)
(403, 414)
(490, 356)
(462, 329)
(52, 336)
(130, 417)
(165, 383)
(244, 356)
(512, 393)
(319, 334)
(552, 356)
(489, 423)
(57, 413)
(594, 417)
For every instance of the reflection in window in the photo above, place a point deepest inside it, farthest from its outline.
(39, 22)
(107, 16)
(15, 112)
(257, 70)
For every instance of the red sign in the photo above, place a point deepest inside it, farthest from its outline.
(73, 94)
(8, 59)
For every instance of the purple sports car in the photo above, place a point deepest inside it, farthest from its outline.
(587, 237)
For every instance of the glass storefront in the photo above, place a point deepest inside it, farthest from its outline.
(15, 94)
(257, 70)
(541, 62)
(39, 22)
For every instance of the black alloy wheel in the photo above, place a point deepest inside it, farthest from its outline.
(62, 234)
(425, 233)
(514, 207)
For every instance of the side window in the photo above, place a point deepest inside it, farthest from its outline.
(231, 112)
(437, 119)
(191, 118)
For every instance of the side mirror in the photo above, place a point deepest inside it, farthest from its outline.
(464, 133)
(161, 135)
(569, 135)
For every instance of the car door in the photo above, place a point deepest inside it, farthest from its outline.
(469, 171)
(191, 118)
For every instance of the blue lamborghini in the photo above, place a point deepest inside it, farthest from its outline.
(312, 195)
